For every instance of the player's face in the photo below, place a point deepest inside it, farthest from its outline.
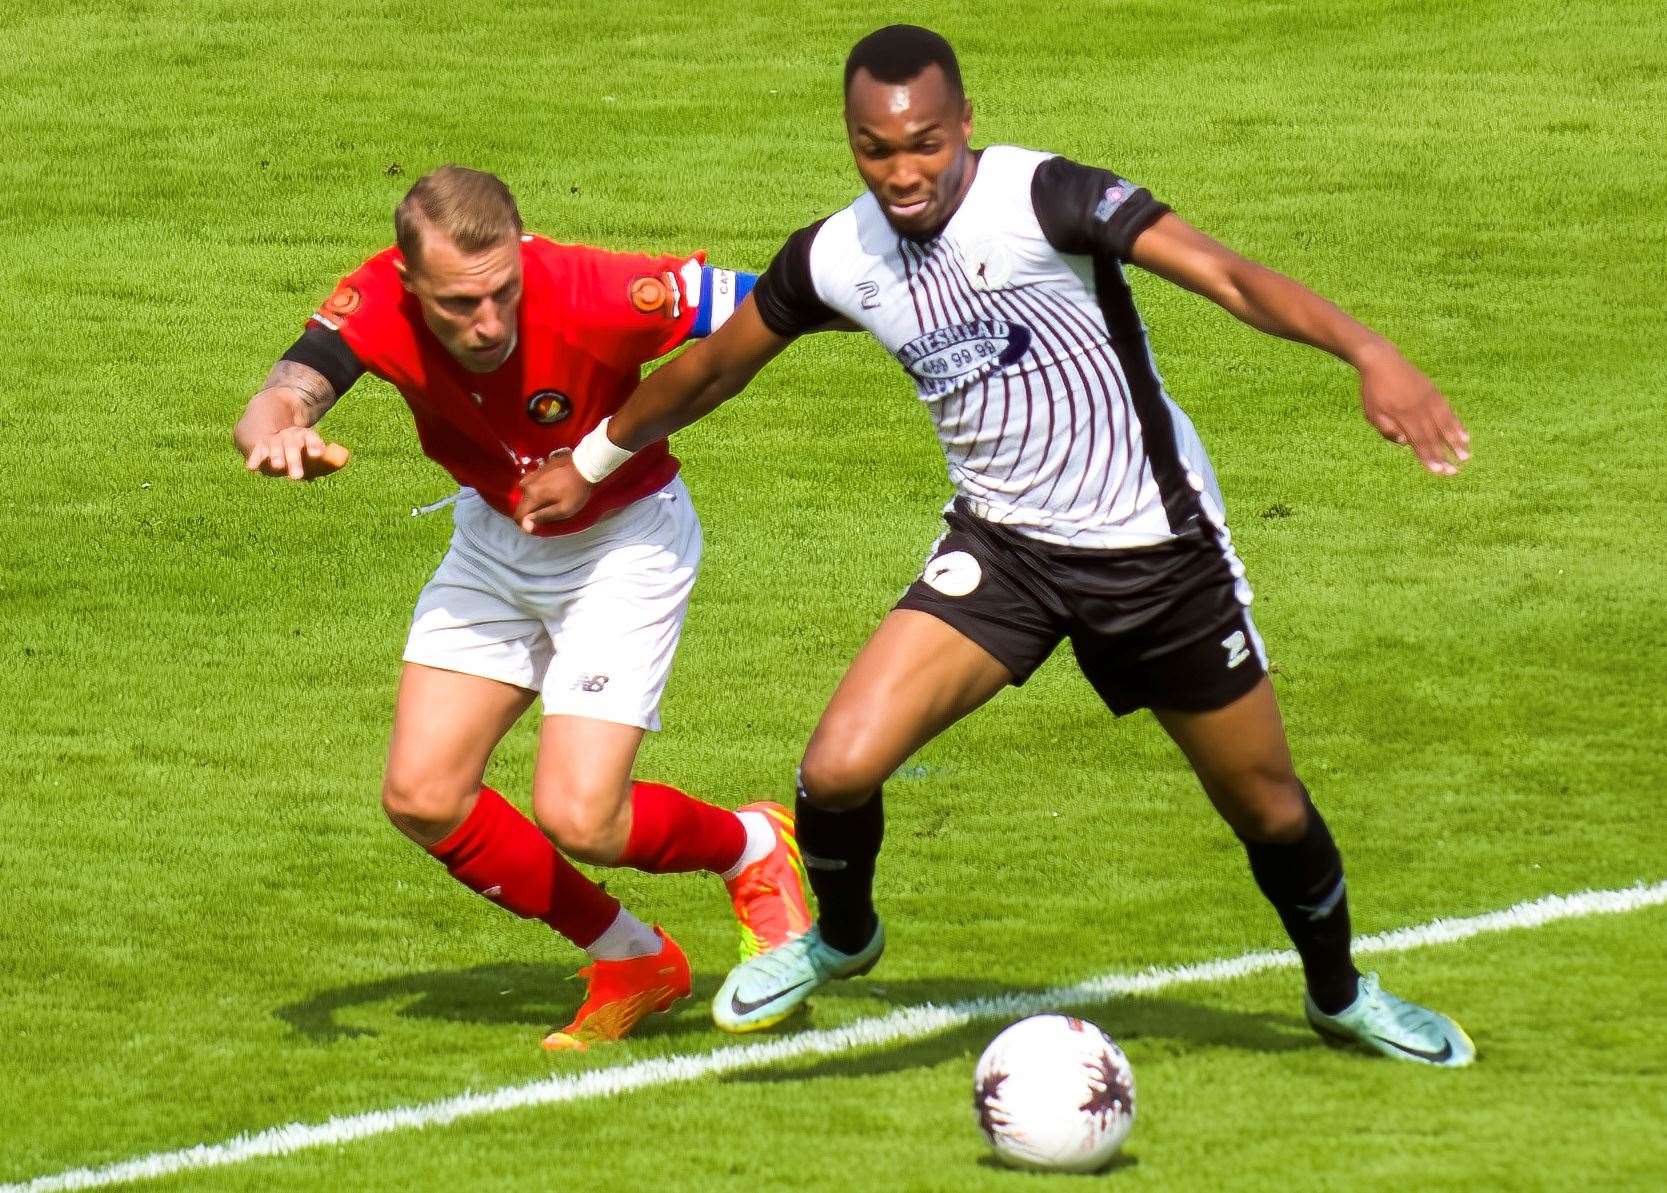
(469, 300)
(910, 142)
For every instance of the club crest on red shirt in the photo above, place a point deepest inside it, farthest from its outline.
(549, 406)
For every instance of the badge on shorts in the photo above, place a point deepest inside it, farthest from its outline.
(549, 406)
(955, 574)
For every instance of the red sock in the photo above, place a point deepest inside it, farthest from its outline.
(499, 853)
(672, 833)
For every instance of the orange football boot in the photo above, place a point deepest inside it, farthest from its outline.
(621, 994)
(769, 895)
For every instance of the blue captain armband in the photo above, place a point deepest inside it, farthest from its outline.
(721, 291)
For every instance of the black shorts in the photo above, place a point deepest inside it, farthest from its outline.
(1164, 627)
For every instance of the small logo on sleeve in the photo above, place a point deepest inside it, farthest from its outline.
(590, 683)
(1111, 200)
(870, 292)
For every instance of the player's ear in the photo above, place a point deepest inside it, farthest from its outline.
(966, 119)
(404, 276)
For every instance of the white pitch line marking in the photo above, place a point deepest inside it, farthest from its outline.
(905, 1023)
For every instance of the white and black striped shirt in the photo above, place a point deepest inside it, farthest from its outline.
(1020, 333)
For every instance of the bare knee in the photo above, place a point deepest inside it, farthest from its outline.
(1263, 806)
(590, 826)
(837, 774)
(425, 806)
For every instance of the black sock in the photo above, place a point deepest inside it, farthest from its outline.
(1303, 879)
(839, 850)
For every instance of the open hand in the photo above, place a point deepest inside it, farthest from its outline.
(1407, 408)
(299, 453)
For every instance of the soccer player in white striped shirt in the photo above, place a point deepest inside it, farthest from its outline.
(1085, 508)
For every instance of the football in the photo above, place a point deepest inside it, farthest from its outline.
(1055, 1093)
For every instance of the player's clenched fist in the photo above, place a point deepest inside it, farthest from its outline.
(554, 493)
(299, 453)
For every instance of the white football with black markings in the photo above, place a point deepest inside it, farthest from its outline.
(1054, 1093)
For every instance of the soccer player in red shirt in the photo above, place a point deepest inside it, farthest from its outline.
(508, 349)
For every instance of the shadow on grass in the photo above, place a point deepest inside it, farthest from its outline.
(509, 995)
(1129, 1020)
(538, 997)
(1117, 1163)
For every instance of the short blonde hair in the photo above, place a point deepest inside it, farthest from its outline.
(471, 208)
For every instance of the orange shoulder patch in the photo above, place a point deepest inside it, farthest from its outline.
(652, 296)
(342, 302)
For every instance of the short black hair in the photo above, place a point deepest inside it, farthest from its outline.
(898, 53)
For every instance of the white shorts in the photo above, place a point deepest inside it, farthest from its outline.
(591, 620)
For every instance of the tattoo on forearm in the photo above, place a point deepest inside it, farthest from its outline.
(317, 394)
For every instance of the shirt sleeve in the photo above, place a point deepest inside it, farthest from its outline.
(639, 307)
(786, 293)
(367, 313)
(347, 302)
(1089, 211)
(325, 352)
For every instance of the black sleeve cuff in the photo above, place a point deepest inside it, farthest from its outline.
(325, 352)
(1138, 214)
(1090, 211)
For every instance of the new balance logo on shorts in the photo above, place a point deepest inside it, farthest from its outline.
(590, 683)
(1237, 650)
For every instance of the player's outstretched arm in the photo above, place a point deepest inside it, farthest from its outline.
(275, 434)
(697, 382)
(674, 395)
(1399, 400)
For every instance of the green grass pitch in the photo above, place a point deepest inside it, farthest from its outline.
(208, 928)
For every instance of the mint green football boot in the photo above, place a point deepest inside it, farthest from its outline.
(763, 990)
(1379, 1022)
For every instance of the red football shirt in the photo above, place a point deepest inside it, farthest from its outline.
(588, 321)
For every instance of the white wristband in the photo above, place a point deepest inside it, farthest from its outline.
(597, 457)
